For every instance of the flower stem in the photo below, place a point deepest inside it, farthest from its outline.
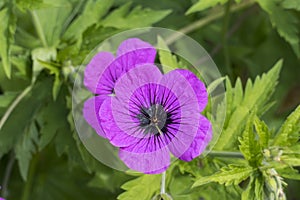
(163, 183)
(13, 105)
(7, 174)
(28, 185)
(206, 20)
(225, 154)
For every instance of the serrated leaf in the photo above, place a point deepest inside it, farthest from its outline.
(258, 94)
(169, 62)
(136, 187)
(7, 31)
(204, 4)
(238, 93)
(290, 160)
(232, 174)
(239, 104)
(285, 22)
(25, 147)
(137, 17)
(212, 86)
(289, 173)
(263, 132)
(289, 132)
(91, 14)
(249, 145)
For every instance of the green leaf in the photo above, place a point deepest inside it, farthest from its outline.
(136, 187)
(39, 55)
(5, 100)
(49, 29)
(7, 31)
(24, 114)
(25, 5)
(239, 104)
(212, 86)
(259, 187)
(263, 132)
(92, 13)
(291, 160)
(291, 4)
(204, 4)
(25, 147)
(289, 173)
(249, 145)
(110, 180)
(258, 94)
(249, 193)
(53, 179)
(289, 132)
(285, 22)
(232, 174)
(53, 68)
(168, 61)
(52, 119)
(123, 17)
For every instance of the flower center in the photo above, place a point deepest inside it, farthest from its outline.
(152, 120)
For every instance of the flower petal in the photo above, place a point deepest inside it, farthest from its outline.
(116, 136)
(141, 50)
(200, 142)
(120, 66)
(149, 163)
(90, 112)
(125, 88)
(189, 116)
(135, 78)
(197, 85)
(95, 68)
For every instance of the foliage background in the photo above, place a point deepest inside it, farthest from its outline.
(42, 43)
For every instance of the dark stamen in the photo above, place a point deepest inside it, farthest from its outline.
(154, 119)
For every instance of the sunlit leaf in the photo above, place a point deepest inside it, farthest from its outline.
(123, 17)
(7, 31)
(232, 174)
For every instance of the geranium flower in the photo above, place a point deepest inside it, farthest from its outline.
(1, 198)
(151, 115)
(104, 70)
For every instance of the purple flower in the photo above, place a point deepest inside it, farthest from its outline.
(150, 115)
(104, 70)
(1, 198)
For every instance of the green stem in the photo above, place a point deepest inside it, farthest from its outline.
(163, 183)
(224, 38)
(39, 29)
(206, 20)
(7, 174)
(225, 154)
(28, 185)
(13, 105)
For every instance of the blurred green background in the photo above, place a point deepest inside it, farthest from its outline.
(41, 155)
